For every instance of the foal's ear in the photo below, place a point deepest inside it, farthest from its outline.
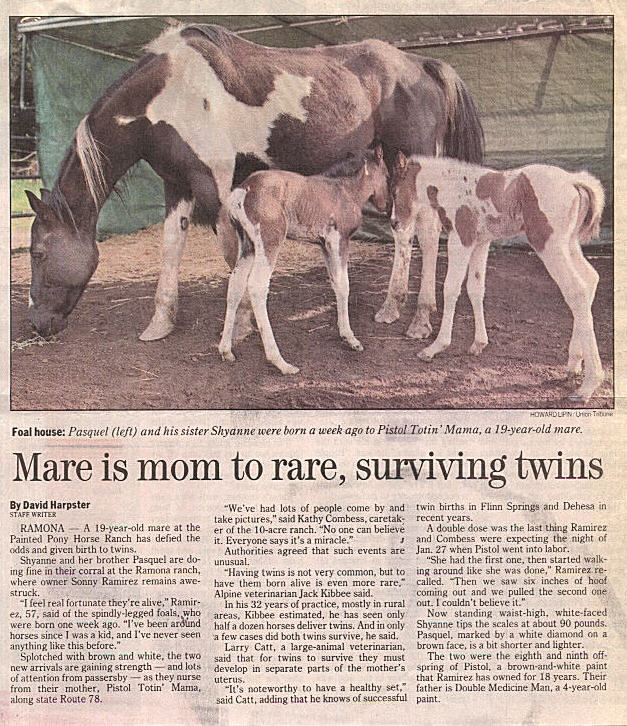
(41, 208)
(378, 153)
(400, 162)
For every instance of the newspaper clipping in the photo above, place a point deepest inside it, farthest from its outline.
(281, 441)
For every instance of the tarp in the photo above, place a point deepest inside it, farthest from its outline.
(546, 100)
(541, 99)
(67, 81)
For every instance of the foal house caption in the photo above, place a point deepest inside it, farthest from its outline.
(220, 431)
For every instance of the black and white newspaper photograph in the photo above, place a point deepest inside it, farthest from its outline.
(313, 393)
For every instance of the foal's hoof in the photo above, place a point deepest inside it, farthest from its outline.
(227, 355)
(426, 354)
(288, 369)
(476, 348)
(578, 398)
(574, 369)
(419, 330)
(387, 314)
(354, 344)
(157, 329)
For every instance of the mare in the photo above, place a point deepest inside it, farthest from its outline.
(557, 210)
(327, 209)
(205, 108)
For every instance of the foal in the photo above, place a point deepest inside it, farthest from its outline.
(556, 210)
(272, 205)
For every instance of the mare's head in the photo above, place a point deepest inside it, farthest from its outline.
(403, 193)
(62, 261)
(375, 168)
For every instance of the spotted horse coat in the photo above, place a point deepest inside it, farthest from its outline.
(555, 209)
(205, 108)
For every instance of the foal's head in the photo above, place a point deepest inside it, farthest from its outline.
(403, 192)
(377, 171)
(62, 261)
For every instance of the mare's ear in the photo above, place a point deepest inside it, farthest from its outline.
(378, 153)
(40, 206)
(400, 163)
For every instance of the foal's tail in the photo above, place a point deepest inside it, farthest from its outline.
(591, 203)
(235, 208)
(464, 138)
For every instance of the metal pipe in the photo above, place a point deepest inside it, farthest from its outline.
(23, 76)
(70, 21)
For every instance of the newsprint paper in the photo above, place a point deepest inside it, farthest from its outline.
(376, 539)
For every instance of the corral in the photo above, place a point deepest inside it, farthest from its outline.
(537, 105)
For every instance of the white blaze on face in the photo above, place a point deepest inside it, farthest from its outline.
(213, 122)
(31, 304)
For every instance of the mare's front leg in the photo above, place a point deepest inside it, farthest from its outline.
(458, 258)
(178, 213)
(336, 259)
(428, 230)
(399, 279)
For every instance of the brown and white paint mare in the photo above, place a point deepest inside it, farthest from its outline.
(557, 210)
(326, 209)
(206, 108)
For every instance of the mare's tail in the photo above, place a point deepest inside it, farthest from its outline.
(464, 138)
(591, 203)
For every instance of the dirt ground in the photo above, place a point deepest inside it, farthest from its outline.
(99, 363)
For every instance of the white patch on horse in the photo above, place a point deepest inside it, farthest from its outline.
(30, 300)
(228, 126)
(125, 120)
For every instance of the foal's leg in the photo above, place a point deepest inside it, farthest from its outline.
(428, 230)
(227, 238)
(475, 285)
(399, 279)
(267, 245)
(590, 278)
(336, 259)
(558, 261)
(177, 221)
(458, 258)
(236, 290)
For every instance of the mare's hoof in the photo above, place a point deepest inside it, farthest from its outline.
(158, 328)
(476, 348)
(387, 314)
(419, 331)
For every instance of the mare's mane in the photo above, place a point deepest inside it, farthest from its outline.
(59, 204)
